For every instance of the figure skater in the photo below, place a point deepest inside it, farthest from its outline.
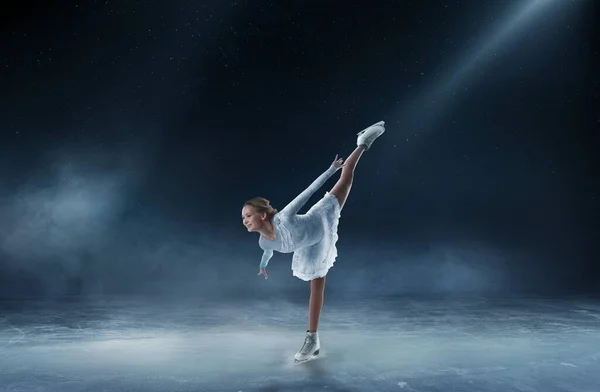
(311, 236)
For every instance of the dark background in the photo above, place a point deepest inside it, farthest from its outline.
(132, 133)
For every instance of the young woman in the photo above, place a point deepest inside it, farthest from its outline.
(311, 236)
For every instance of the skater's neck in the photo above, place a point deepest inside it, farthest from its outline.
(268, 231)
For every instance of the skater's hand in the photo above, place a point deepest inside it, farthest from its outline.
(263, 272)
(337, 163)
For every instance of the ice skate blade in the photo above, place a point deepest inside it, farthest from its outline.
(311, 358)
(380, 124)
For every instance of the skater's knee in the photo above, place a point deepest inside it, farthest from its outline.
(347, 176)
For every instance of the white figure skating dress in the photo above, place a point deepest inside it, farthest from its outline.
(311, 236)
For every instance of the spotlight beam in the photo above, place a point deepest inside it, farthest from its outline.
(436, 97)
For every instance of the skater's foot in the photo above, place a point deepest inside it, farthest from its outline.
(310, 348)
(367, 136)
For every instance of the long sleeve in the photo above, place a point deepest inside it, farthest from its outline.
(267, 254)
(294, 206)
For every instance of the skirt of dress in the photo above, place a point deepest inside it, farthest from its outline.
(314, 261)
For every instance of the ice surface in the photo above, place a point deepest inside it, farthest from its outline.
(384, 344)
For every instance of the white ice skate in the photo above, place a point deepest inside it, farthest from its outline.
(310, 349)
(367, 136)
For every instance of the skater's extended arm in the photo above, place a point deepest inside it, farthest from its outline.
(267, 254)
(302, 198)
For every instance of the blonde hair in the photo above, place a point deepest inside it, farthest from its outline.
(261, 205)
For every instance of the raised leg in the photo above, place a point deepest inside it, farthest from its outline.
(341, 189)
(317, 292)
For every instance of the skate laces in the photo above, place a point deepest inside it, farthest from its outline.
(308, 344)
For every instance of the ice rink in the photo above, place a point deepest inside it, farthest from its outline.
(468, 343)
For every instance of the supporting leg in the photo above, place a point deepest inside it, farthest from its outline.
(317, 292)
(341, 189)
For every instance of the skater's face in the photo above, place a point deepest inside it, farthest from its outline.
(252, 219)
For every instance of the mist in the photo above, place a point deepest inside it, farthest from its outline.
(76, 228)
